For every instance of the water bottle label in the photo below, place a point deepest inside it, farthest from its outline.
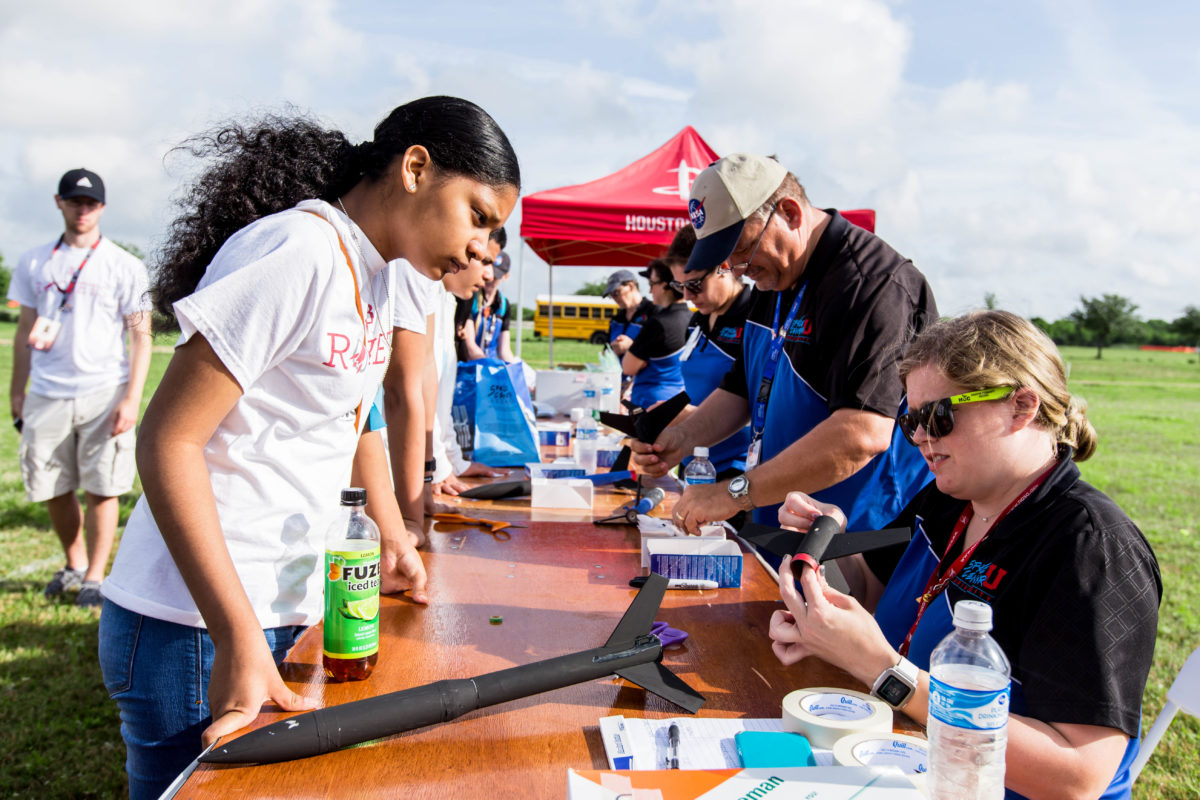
(351, 602)
(692, 480)
(972, 709)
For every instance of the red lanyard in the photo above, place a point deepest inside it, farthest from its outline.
(66, 293)
(935, 585)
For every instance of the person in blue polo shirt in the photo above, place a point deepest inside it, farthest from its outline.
(714, 342)
(832, 312)
(653, 358)
(632, 310)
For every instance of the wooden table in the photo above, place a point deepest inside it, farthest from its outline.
(560, 587)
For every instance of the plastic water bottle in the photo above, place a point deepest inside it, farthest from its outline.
(351, 646)
(700, 469)
(587, 436)
(590, 402)
(968, 709)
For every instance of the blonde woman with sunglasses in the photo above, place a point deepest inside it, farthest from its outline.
(1073, 584)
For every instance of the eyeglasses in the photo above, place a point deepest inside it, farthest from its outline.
(694, 286)
(745, 265)
(937, 417)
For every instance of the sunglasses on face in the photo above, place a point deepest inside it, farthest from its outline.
(694, 286)
(937, 417)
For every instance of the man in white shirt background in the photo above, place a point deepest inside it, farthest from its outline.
(80, 357)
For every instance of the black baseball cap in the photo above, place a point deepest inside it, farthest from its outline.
(81, 183)
(501, 265)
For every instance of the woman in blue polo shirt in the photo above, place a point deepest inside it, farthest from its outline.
(714, 344)
(653, 358)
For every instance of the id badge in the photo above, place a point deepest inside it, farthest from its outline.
(45, 331)
(753, 454)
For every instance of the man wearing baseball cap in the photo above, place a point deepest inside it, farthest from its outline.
(83, 347)
(832, 312)
(632, 310)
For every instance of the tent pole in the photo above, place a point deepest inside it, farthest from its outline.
(551, 319)
(520, 298)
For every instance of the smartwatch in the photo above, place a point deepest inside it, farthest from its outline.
(896, 684)
(739, 490)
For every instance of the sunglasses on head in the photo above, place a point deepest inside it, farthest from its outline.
(695, 285)
(937, 417)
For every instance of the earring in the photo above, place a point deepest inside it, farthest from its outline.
(412, 187)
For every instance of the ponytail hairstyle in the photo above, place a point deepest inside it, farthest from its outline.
(985, 349)
(261, 167)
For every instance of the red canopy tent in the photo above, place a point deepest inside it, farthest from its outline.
(624, 219)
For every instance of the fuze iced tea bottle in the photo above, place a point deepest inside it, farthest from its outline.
(351, 646)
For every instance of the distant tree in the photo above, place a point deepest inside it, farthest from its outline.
(592, 288)
(5, 278)
(1159, 332)
(989, 301)
(1188, 326)
(1107, 318)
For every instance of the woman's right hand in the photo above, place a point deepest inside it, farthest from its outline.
(799, 511)
(244, 677)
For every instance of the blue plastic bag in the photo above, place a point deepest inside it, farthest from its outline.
(492, 403)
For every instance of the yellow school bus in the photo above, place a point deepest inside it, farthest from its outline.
(576, 316)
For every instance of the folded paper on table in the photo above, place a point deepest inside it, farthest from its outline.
(566, 493)
(790, 783)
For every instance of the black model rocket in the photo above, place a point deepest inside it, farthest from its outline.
(631, 652)
(822, 542)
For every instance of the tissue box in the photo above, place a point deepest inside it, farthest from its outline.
(554, 434)
(563, 389)
(571, 493)
(697, 558)
(555, 470)
(607, 450)
(654, 528)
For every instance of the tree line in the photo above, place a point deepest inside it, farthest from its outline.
(1112, 319)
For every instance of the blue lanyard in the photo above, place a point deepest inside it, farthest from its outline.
(758, 419)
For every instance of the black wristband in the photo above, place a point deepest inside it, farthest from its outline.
(431, 465)
(429, 479)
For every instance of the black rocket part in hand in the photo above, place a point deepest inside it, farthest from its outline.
(499, 490)
(631, 652)
(645, 426)
(822, 542)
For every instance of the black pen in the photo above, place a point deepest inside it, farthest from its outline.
(673, 746)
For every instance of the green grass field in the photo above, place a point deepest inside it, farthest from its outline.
(59, 732)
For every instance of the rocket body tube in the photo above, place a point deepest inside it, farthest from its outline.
(812, 551)
(335, 727)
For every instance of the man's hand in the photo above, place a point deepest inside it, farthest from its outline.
(668, 450)
(621, 344)
(701, 504)
(125, 415)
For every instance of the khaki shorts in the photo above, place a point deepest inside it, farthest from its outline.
(67, 445)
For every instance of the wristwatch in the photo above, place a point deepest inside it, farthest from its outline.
(739, 490)
(896, 684)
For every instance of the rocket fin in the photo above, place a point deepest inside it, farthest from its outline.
(654, 677)
(640, 614)
(783, 542)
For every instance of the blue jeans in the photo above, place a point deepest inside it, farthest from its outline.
(158, 673)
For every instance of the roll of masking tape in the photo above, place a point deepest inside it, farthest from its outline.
(825, 715)
(870, 749)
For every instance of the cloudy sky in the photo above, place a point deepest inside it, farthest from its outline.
(1034, 149)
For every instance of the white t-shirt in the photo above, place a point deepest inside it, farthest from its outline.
(89, 354)
(446, 451)
(413, 297)
(278, 306)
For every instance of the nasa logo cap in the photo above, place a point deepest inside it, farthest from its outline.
(81, 183)
(723, 196)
